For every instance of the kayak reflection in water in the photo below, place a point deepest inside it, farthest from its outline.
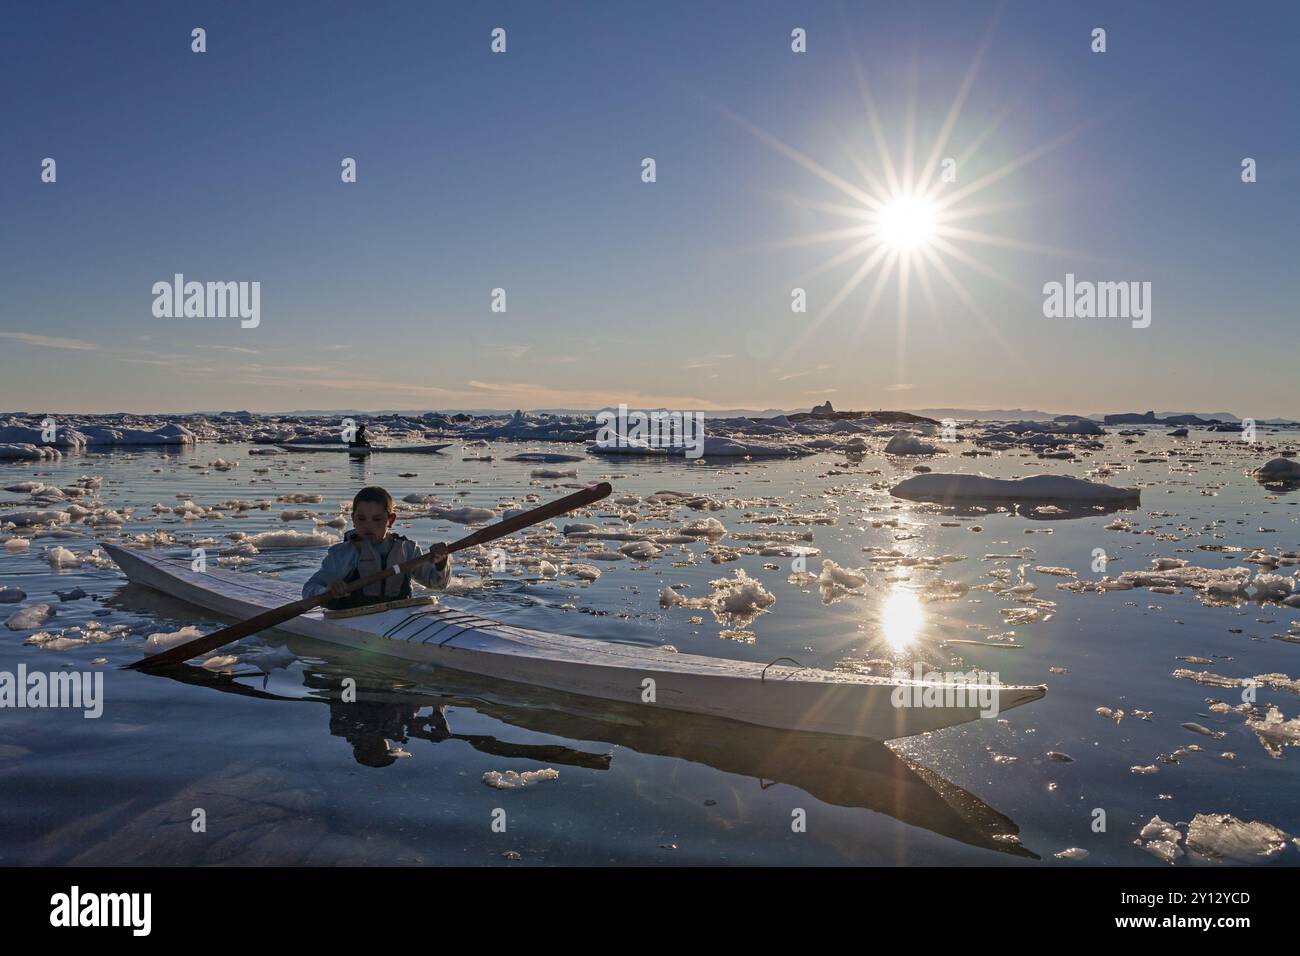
(376, 729)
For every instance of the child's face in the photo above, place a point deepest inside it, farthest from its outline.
(371, 521)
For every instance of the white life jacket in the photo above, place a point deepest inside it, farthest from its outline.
(369, 562)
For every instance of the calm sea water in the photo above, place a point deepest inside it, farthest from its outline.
(286, 774)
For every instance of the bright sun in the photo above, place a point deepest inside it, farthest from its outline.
(906, 222)
(905, 219)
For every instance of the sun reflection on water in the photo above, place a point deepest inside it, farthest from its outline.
(902, 617)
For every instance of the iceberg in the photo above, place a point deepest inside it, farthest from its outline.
(948, 487)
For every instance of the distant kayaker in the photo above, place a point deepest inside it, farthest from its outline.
(360, 438)
(370, 548)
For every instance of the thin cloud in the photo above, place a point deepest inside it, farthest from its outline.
(52, 341)
(276, 369)
(514, 351)
(809, 371)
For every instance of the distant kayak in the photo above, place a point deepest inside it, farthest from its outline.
(360, 451)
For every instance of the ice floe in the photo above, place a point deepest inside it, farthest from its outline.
(950, 487)
(513, 780)
(29, 618)
(1221, 837)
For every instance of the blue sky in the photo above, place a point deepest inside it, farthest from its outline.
(522, 171)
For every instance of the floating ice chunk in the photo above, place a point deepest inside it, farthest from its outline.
(513, 780)
(106, 518)
(1021, 616)
(584, 572)
(704, 527)
(1278, 469)
(290, 539)
(1216, 584)
(220, 662)
(553, 473)
(1161, 840)
(1158, 829)
(23, 451)
(169, 434)
(29, 618)
(27, 487)
(905, 443)
(741, 597)
(1073, 853)
(671, 598)
(835, 576)
(465, 515)
(1208, 679)
(640, 550)
(15, 544)
(27, 519)
(543, 456)
(10, 595)
(946, 487)
(164, 640)
(54, 642)
(1276, 733)
(713, 446)
(62, 558)
(1222, 837)
(1271, 587)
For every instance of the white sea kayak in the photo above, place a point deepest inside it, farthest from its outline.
(776, 695)
(358, 451)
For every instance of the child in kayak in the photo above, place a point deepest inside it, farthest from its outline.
(369, 548)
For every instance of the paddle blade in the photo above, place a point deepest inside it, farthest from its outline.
(227, 635)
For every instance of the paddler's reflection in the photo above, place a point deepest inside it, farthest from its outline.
(377, 729)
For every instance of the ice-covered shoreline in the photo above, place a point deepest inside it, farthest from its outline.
(38, 437)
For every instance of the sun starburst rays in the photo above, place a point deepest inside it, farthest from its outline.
(907, 224)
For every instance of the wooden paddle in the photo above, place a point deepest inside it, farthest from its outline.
(269, 619)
